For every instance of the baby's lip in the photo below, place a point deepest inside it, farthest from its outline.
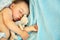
(16, 19)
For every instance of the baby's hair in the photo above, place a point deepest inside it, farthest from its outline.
(18, 1)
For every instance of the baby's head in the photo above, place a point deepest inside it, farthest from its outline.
(19, 8)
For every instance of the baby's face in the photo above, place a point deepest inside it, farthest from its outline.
(19, 9)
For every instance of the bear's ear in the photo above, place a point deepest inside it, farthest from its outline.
(24, 20)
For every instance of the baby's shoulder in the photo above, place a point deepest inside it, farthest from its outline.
(6, 10)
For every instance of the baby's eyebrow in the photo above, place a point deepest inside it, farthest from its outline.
(21, 10)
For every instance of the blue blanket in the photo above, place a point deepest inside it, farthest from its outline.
(5, 3)
(47, 14)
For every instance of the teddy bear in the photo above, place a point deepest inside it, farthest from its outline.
(21, 24)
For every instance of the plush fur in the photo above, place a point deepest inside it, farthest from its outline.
(21, 25)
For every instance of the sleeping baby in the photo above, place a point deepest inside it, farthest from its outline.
(18, 10)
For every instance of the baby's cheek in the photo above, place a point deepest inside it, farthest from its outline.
(16, 16)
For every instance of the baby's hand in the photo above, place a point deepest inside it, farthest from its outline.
(24, 35)
(36, 27)
(31, 28)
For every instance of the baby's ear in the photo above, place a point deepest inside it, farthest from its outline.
(12, 5)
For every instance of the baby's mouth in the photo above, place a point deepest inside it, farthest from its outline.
(16, 19)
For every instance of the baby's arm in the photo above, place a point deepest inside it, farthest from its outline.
(3, 29)
(31, 28)
(11, 25)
